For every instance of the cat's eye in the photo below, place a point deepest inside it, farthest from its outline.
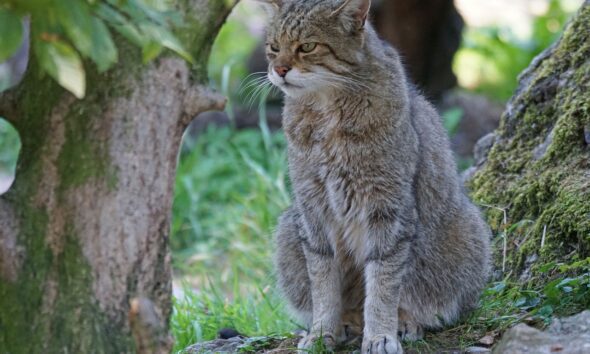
(308, 47)
(273, 48)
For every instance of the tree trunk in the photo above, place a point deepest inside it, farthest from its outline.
(427, 33)
(538, 168)
(84, 230)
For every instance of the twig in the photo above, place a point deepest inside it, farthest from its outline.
(543, 237)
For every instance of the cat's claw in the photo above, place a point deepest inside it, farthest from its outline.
(307, 343)
(382, 344)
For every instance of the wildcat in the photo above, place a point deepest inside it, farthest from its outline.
(380, 237)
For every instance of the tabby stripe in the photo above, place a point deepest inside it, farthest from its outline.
(331, 69)
(338, 58)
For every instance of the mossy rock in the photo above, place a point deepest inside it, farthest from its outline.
(537, 172)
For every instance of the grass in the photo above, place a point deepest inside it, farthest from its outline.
(565, 290)
(230, 191)
(231, 188)
(198, 316)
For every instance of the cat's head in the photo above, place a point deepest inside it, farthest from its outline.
(315, 45)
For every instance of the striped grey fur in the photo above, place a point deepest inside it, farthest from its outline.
(380, 238)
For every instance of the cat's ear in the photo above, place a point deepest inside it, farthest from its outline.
(271, 6)
(355, 10)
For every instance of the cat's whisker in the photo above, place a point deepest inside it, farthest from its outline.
(257, 93)
(253, 88)
(254, 74)
(254, 82)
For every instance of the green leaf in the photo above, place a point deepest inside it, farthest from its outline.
(547, 267)
(140, 10)
(63, 63)
(11, 30)
(121, 25)
(165, 38)
(88, 33)
(150, 51)
(104, 52)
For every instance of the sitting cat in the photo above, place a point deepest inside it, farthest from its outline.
(380, 236)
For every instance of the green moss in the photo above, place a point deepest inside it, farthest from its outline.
(20, 303)
(551, 188)
(82, 156)
(74, 323)
(76, 305)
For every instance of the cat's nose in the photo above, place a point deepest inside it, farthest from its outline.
(282, 70)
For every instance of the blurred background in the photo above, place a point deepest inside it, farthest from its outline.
(232, 176)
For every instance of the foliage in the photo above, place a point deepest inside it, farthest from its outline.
(232, 49)
(230, 189)
(198, 316)
(9, 147)
(491, 58)
(65, 33)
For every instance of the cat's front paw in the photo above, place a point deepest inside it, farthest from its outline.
(325, 341)
(382, 344)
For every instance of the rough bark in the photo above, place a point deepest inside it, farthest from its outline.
(85, 227)
(427, 33)
(538, 168)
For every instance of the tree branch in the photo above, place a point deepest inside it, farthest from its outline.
(201, 99)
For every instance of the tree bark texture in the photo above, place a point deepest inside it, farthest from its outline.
(427, 33)
(84, 229)
(538, 168)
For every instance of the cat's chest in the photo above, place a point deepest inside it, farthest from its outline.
(336, 176)
(310, 130)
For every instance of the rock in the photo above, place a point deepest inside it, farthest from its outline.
(568, 335)
(480, 117)
(529, 262)
(487, 340)
(537, 169)
(482, 148)
(541, 149)
(265, 344)
(216, 346)
(227, 333)
(480, 155)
